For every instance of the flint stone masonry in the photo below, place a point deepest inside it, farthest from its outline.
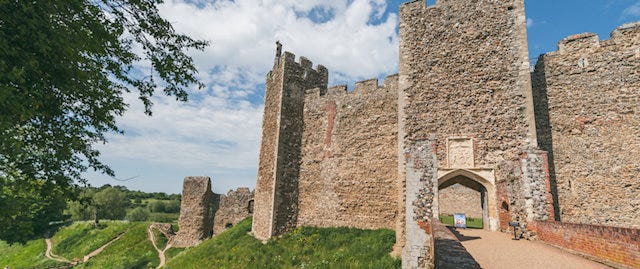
(421, 187)
(276, 198)
(349, 158)
(232, 208)
(464, 72)
(196, 214)
(588, 113)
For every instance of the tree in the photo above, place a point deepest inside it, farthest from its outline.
(111, 203)
(156, 206)
(172, 206)
(64, 67)
(82, 207)
(138, 214)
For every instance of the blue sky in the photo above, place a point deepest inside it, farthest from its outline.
(217, 133)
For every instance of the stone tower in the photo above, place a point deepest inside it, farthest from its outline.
(196, 214)
(466, 114)
(276, 197)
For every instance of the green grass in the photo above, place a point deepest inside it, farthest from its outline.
(161, 240)
(164, 217)
(29, 254)
(81, 238)
(173, 252)
(471, 222)
(302, 248)
(133, 250)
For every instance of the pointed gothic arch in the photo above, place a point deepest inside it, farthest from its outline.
(480, 183)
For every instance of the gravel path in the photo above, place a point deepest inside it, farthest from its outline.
(495, 250)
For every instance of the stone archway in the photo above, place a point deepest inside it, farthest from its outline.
(473, 180)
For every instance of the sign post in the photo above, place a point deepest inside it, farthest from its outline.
(460, 220)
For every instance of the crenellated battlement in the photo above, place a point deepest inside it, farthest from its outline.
(363, 87)
(627, 34)
(579, 42)
(301, 70)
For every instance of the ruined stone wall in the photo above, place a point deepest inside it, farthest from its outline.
(591, 89)
(196, 214)
(349, 162)
(233, 207)
(460, 199)
(279, 165)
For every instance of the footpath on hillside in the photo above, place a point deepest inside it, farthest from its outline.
(49, 251)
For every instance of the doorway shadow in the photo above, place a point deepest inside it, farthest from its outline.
(449, 252)
(460, 236)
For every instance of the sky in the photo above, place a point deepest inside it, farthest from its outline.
(217, 133)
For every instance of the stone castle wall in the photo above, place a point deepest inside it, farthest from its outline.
(232, 208)
(587, 106)
(196, 213)
(349, 158)
(464, 72)
(460, 199)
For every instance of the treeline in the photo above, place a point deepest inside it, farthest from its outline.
(118, 203)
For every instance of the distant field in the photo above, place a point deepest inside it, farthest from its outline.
(471, 222)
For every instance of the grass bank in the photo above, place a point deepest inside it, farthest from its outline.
(302, 248)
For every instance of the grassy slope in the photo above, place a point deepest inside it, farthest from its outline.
(302, 248)
(132, 250)
(29, 254)
(81, 238)
(471, 222)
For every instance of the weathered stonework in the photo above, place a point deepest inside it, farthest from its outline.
(232, 208)
(460, 199)
(196, 214)
(349, 162)
(276, 198)
(421, 187)
(462, 110)
(588, 96)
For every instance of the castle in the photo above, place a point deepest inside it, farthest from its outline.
(555, 149)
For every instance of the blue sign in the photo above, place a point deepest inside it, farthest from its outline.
(459, 220)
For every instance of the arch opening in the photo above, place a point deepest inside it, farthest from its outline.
(467, 192)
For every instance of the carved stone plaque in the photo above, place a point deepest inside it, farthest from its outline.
(460, 153)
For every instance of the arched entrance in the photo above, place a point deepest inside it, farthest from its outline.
(476, 182)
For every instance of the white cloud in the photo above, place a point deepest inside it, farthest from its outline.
(530, 22)
(243, 34)
(218, 130)
(632, 11)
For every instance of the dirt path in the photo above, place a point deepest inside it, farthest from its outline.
(497, 250)
(161, 253)
(49, 254)
(100, 249)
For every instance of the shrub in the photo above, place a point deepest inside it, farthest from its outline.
(138, 214)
